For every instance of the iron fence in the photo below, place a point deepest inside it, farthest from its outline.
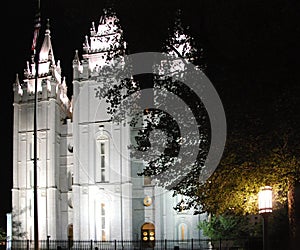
(191, 244)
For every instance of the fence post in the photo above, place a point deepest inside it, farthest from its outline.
(115, 244)
(220, 244)
(192, 244)
(165, 244)
(69, 242)
(48, 242)
(91, 244)
(27, 245)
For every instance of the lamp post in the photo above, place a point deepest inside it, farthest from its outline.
(265, 207)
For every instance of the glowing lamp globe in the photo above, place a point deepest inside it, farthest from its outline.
(265, 200)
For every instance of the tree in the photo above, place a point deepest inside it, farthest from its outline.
(229, 227)
(237, 228)
(167, 167)
(18, 232)
(255, 156)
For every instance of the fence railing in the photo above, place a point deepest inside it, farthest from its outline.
(191, 244)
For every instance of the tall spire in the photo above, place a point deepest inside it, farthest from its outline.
(181, 46)
(17, 86)
(180, 43)
(46, 63)
(105, 39)
(42, 70)
(46, 52)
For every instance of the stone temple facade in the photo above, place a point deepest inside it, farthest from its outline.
(88, 187)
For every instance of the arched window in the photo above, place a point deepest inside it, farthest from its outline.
(70, 231)
(182, 231)
(102, 221)
(102, 159)
(148, 235)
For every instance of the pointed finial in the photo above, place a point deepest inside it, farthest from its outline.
(76, 57)
(87, 42)
(64, 84)
(93, 30)
(48, 24)
(17, 79)
(28, 67)
(16, 85)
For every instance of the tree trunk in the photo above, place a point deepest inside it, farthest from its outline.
(294, 214)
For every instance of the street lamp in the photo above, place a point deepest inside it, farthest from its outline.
(265, 208)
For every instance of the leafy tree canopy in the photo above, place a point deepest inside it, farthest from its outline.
(256, 153)
(254, 157)
(166, 167)
(230, 227)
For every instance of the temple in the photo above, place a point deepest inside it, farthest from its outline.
(88, 187)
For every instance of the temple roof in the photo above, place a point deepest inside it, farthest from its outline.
(49, 71)
(105, 43)
(107, 36)
(46, 52)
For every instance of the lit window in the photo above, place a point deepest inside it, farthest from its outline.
(103, 222)
(102, 165)
(70, 231)
(182, 231)
(102, 160)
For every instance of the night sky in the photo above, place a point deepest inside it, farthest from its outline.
(252, 51)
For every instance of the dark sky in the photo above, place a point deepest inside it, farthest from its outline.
(251, 49)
